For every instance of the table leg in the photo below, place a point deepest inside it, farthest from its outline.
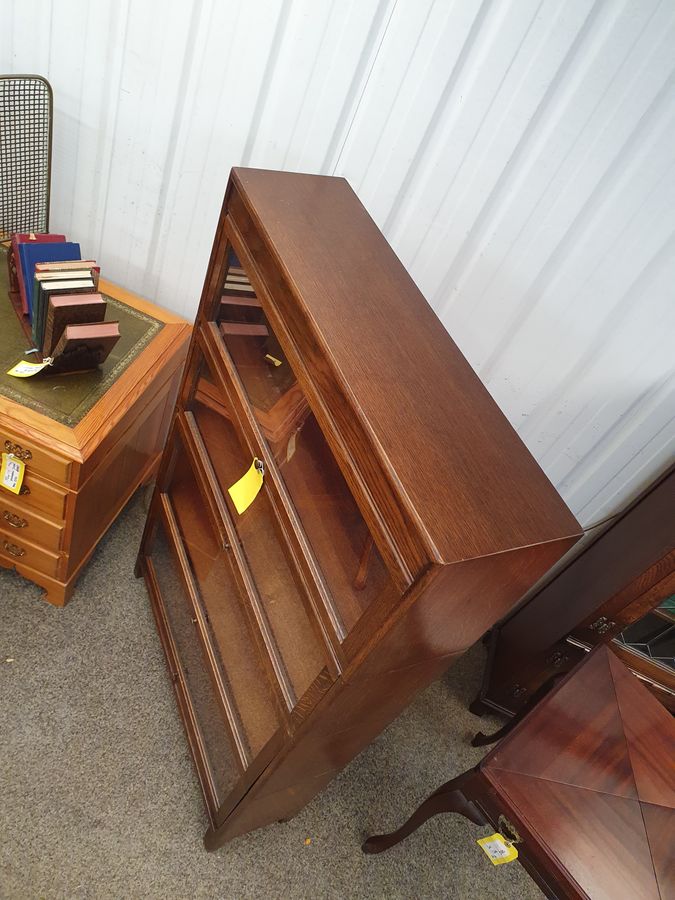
(453, 796)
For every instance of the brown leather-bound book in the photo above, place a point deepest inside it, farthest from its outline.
(83, 347)
(91, 267)
(70, 309)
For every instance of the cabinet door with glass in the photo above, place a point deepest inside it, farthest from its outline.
(348, 559)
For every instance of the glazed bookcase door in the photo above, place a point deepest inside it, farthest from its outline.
(221, 765)
(271, 582)
(349, 560)
(214, 642)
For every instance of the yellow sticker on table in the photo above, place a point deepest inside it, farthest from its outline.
(25, 369)
(244, 491)
(498, 849)
(11, 472)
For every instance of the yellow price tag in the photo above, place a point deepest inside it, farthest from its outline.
(25, 369)
(498, 849)
(11, 472)
(244, 491)
(273, 359)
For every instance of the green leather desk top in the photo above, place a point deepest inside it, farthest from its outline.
(68, 398)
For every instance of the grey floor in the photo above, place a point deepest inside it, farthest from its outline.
(98, 797)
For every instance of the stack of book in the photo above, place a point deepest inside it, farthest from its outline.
(59, 301)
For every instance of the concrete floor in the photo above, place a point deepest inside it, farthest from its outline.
(99, 799)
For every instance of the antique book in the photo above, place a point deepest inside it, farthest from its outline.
(85, 346)
(43, 290)
(238, 286)
(70, 309)
(90, 265)
(33, 239)
(33, 252)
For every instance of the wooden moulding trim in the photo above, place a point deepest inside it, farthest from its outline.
(425, 545)
(222, 691)
(248, 593)
(223, 371)
(133, 382)
(178, 680)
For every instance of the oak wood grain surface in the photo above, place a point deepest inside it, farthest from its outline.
(401, 513)
(459, 449)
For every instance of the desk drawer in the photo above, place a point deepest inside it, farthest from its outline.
(28, 525)
(46, 499)
(17, 551)
(37, 459)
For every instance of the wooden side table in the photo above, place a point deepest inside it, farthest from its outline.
(88, 440)
(584, 786)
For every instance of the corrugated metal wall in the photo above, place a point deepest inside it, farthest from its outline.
(518, 154)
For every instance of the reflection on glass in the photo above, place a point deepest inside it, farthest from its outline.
(351, 563)
(220, 758)
(230, 629)
(653, 636)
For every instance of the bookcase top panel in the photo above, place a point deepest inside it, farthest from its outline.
(471, 483)
(68, 398)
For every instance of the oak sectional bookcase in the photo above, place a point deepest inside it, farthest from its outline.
(400, 515)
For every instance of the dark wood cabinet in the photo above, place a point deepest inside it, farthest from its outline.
(620, 589)
(399, 517)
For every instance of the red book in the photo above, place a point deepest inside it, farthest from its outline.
(23, 239)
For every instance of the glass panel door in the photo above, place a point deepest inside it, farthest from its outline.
(351, 563)
(278, 585)
(198, 684)
(246, 680)
(653, 636)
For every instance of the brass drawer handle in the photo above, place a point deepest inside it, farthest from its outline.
(507, 829)
(13, 549)
(18, 451)
(14, 520)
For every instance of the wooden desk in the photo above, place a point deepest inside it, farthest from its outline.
(88, 440)
(585, 785)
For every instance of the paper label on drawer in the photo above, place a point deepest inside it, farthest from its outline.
(11, 472)
(498, 849)
(244, 491)
(26, 369)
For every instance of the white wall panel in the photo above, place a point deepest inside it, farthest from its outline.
(518, 154)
